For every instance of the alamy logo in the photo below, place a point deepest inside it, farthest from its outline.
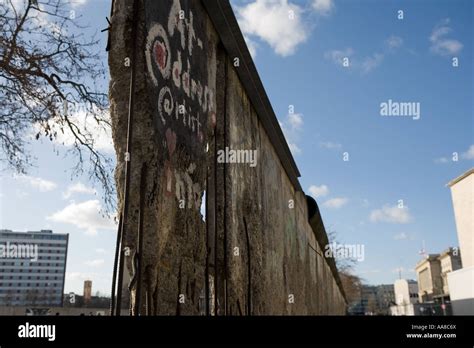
(405, 109)
(37, 331)
(237, 156)
(19, 251)
(345, 251)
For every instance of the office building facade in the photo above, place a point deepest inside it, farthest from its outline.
(32, 268)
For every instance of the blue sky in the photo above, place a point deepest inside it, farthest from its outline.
(336, 111)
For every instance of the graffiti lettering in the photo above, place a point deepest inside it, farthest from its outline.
(158, 52)
(185, 101)
(165, 103)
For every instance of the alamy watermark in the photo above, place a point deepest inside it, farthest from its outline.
(237, 156)
(345, 251)
(401, 109)
(19, 251)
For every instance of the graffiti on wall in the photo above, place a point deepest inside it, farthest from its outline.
(177, 67)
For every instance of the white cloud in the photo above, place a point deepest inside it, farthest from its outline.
(323, 7)
(295, 120)
(391, 214)
(38, 183)
(394, 42)
(372, 62)
(330, 145)
(440, 44)
(370, 271)
(336, 203)
(447, 47)
(100, 251)
(99, 134)
(17, 4)
(337, 56)
(21, 194)
(469, 154)
(441, 160)
(94, 263)
(401, 270)
(368, 63)
(252, 46)
(74, 276)
(318, 191)
(403, 236)
(78, 3)
(400, 236)
(295, 150)
(291, 128)
(78, 188)
(271, 21)
(100, 282)
(86, 215)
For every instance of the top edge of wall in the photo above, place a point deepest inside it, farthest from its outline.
(225, 23)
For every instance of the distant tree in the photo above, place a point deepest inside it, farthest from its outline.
(372, 306)
(351, 283)
(8, 299)
(30, 297)
(47, 67)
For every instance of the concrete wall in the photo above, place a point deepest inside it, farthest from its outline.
(17, 310)
(461, 291)
(462, 193)
(403, 289)
(287, 276)
(257, 247)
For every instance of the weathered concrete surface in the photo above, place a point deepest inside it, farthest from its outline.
(257, 248)
(263, 204)
(174, 101)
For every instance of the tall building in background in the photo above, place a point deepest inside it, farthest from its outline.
(406, 298)
(462, 193)
(32, 268)
(461, 282)
(406, 291)
(385, 294)
(430, 282)
(450, 261)
(374, 300)
(87, 291)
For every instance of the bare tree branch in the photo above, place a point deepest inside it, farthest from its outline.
(48, 65)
